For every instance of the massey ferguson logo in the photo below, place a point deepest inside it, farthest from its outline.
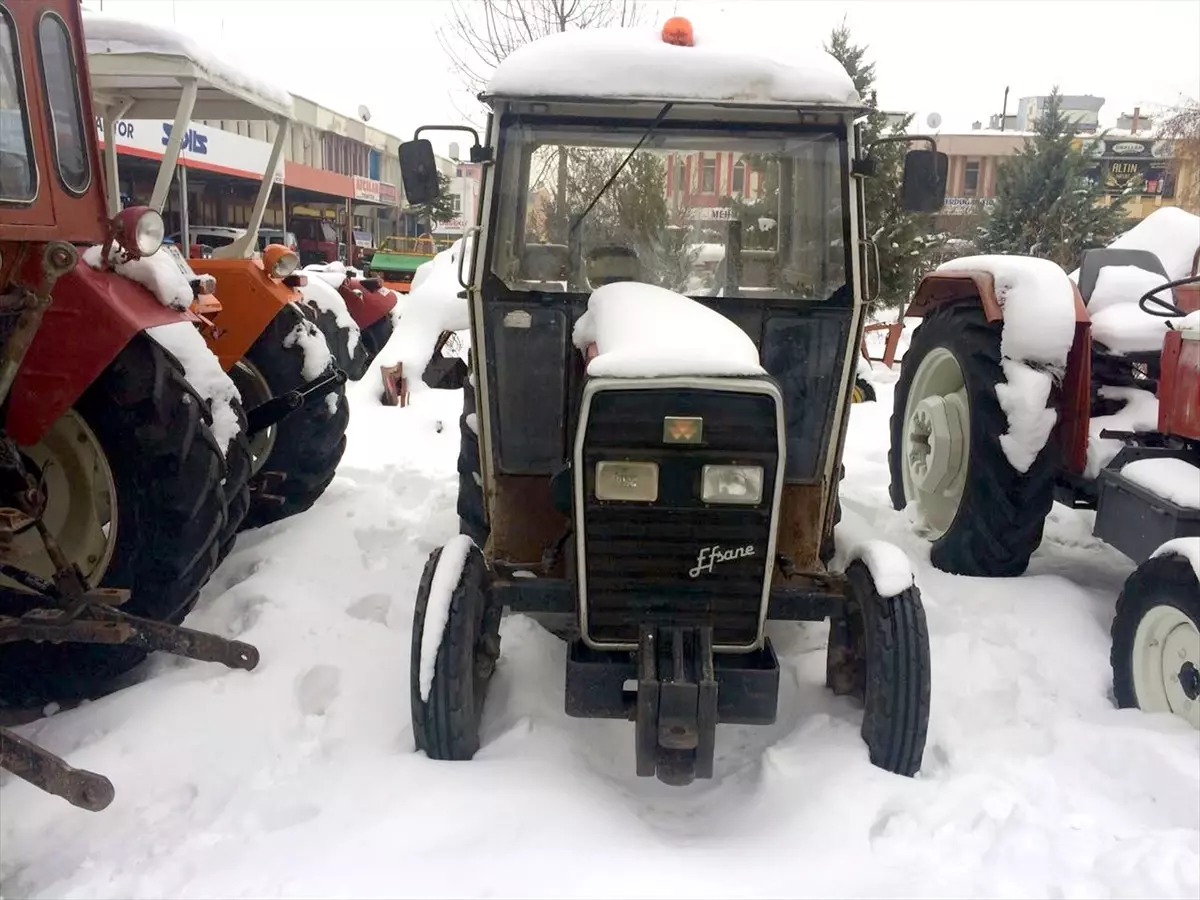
(710, 556)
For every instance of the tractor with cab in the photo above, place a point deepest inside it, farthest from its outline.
(650, 468)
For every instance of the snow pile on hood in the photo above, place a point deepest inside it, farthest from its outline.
(159, 272)
(106, 34)
(644, 331)
(1039, 327)
(326, 298)
(635, 63)
(203, 372)
(431, 306)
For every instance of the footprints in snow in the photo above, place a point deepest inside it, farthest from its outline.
(317, 688)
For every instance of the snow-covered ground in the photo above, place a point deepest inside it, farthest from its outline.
(300, 779)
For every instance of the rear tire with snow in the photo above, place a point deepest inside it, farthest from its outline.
(236, 484)
(355, 363)
(995, 523)
(472, 519)
(308, 444)
(168, 515)
(446, 724)
(879, 653)
(1156, 639)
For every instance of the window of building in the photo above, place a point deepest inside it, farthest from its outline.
(739, 177)
(456, 203)
(18, 179)
(680, 174)
(708, 175)
(971, 178)
(62, 100)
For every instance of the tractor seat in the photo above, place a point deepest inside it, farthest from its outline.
(1119, 328)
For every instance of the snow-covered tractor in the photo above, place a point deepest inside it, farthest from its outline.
(116, 418)
(288, 345)
(1024, 385)
(654, 476)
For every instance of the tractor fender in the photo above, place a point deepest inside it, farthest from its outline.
(366, 307)
(250, 300)
(92, 316)
(1074, 396)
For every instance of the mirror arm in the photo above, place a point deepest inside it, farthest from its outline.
(478, 152)
(903, 139)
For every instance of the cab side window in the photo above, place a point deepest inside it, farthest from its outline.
(59, 75)
(18, 172)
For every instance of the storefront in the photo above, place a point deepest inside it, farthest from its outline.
(1140, 167)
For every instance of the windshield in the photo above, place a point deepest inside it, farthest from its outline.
(17, 176)
(701, 212)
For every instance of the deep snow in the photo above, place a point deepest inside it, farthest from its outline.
(300, 778)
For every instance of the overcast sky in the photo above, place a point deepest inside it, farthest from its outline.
(954, 57)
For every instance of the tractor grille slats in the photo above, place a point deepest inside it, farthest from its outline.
(639, 556)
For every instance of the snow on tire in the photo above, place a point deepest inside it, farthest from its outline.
(455, 646)
(1155, 653)
(879, 653)
(472, 519)
(165, 511)
(984, 516)
(302, 455)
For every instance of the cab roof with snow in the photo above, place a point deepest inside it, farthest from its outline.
(145, 65)
(648, 63)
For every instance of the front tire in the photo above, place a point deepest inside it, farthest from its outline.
(353, 362)
(296, 459)
(376, 335)
(985, 518)
(1156, 640)
(159, 505)
(446, 722)
(879, 653)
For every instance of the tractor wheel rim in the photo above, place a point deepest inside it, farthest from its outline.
(81, 503)
(255, 390)
(1166, 657)
(936, 440)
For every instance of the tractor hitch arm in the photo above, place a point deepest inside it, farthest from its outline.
(41, 768)
(279, 408)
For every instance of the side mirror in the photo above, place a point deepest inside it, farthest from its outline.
(924, 187)
(418, 171)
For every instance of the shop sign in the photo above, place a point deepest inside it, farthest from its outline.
(375, 191)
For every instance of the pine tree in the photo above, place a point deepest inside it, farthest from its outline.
(905, 241)
(1046, 205)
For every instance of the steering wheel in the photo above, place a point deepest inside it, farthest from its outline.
(1165, 308)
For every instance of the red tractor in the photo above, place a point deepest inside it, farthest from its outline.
(1119, 415)
(112, 511)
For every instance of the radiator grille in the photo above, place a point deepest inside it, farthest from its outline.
(639, 557)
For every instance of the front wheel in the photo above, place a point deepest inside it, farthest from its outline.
(134, 498)
(984, 517)
(1156, 639)
(455, 646)
(879, 654)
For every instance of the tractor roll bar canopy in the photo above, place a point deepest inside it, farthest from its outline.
(149, 72)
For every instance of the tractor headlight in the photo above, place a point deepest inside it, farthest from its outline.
(279, 261)
(732, 484)
(138, 230)
(629, 481)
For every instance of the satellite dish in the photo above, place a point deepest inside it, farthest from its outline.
(934, 120)
(454, 150)
(364, 113)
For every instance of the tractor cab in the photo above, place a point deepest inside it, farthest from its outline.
(661, 451)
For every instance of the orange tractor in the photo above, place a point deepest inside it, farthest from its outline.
(288, 355)
(992, 424)
(112, 511)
